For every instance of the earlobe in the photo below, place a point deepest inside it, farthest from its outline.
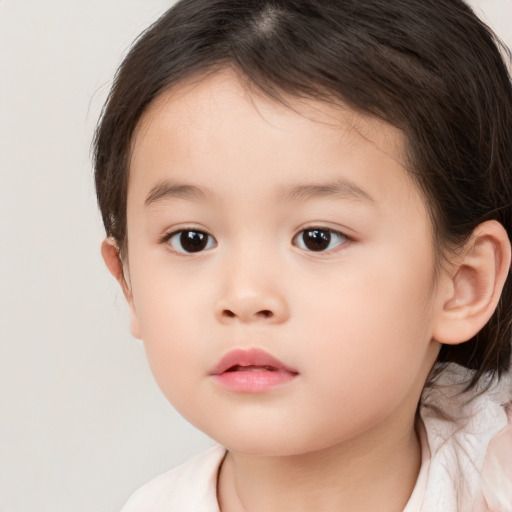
(475, 285)
(112, 259)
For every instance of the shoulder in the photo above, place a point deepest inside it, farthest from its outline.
(190, 487)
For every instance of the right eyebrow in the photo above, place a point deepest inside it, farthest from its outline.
(167, 190)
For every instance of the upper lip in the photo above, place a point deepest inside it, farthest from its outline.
(251, 357)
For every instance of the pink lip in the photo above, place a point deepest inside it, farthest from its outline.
(251, 371)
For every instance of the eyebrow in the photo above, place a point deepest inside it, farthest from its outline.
(340, 188)
(167, 190)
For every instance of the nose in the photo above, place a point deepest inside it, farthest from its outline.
(251, 296)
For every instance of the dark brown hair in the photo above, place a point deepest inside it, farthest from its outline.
(430, 68)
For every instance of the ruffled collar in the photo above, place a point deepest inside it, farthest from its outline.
(469, 438)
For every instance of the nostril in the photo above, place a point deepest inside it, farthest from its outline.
(265, 313)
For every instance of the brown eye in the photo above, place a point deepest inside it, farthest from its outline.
(319, 239)
(190, 241)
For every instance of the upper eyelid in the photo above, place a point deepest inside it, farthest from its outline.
(174, 231)
(323, 227)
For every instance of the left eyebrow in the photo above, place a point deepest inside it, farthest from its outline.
(341, 188)
(167, 190)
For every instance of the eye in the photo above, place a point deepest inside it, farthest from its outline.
(189, 241)
(317, 239)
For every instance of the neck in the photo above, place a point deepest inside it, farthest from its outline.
(353, 476)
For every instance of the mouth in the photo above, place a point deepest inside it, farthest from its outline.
(251, 368)
(251, 371)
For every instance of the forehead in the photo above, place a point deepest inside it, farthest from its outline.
(196, 102)
(216, 130)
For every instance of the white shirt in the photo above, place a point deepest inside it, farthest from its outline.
(461, 469)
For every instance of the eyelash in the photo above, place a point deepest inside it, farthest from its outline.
(325, 234)
(167, 239)
(322, 231)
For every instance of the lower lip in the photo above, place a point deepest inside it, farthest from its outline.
(254, 381)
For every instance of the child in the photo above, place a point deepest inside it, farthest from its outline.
(308, 206)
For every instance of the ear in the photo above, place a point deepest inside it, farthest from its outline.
(111, 257)
(474, 285)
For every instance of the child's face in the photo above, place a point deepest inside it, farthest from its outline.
(352, 314)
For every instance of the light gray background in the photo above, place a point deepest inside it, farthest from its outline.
(81, 422)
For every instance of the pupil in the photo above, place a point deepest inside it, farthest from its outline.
(316, 239)
(193, 241)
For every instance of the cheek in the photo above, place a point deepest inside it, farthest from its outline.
(371, 328)
(171, 313)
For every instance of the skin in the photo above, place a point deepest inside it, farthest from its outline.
(360, 322)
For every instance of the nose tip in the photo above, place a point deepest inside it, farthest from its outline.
(248, 291)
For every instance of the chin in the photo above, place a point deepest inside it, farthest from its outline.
(267, 442)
